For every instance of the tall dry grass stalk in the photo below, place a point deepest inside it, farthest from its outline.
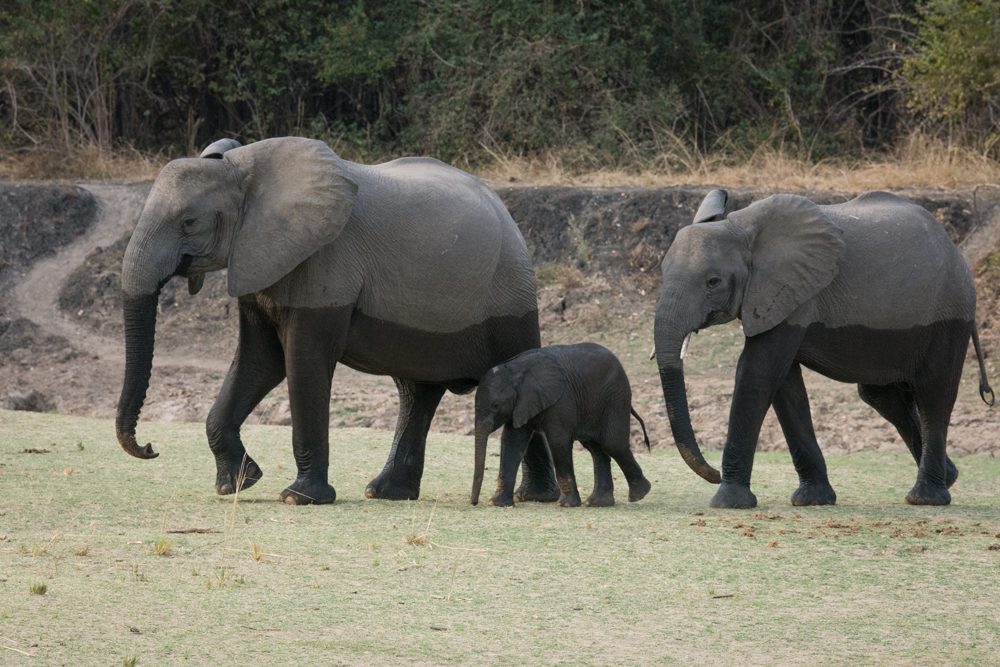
(87, 162)
(918, 162)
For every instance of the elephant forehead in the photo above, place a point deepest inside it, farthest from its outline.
(705, 245)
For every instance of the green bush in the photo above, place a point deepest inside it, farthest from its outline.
(594, 81)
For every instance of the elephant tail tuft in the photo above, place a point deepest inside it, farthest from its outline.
(984, 384)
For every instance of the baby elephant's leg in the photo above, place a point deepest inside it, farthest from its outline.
(561, 447)
(616, 443)
(603, 494)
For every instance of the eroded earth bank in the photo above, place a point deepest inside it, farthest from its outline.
(597, 254)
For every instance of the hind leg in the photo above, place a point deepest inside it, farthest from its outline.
(896, 405)
(616, 444)
(400, 478)
(603, 494)
(934, 394)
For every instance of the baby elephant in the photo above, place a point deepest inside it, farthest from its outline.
(567, 393)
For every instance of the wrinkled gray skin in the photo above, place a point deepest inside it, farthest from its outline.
(411, 268)
(871, 291)
(566, 393)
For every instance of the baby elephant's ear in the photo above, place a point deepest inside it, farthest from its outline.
(541, 386)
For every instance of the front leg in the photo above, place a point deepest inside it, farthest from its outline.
(513, 443)
(400, 478)
(313, 340)
(258, 366)
(791, 405)
(538, 481)
(762, 368)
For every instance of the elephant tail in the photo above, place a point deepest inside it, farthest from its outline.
(645, 436)
(984, 385)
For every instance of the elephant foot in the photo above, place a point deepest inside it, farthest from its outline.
(638, 490)
(305, 491)
(733, 496)
(388, 486)
(538, 491)
(814, 494)
(570, 499)
(236, 475)
(601, 500)
(951, 473)
(925, 493)
(501, 499)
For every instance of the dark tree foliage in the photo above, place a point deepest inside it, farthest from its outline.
(600, 81)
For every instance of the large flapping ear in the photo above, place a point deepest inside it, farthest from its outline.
(794, 251)
(296, 200)
(713, 207)
(541, 385)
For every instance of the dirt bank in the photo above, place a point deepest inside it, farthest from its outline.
(597, 253)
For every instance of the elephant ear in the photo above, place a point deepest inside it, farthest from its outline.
(713, 207)
(296, 200)
(794, 251)
(542, 384)
(216, 149)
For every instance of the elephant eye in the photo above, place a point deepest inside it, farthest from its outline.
(187, 222)
(713, 282)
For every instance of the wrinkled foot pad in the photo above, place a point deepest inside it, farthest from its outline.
(814, 494)
(638, 490)
(238, 475)
(733, 496)
(923, 493)
(308, 494)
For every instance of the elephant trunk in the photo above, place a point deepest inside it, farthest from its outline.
(669, 336)
(140, 329)
(482, 435)
(144, 272)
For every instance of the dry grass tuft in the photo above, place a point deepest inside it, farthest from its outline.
(417, 540)
(38, 589)
(256, 551)
(82, 551)
(162, 547)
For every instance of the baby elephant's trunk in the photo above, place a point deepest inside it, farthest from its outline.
(482, 435)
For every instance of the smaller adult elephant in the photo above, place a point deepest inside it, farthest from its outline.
(871, 291)
(567, 393)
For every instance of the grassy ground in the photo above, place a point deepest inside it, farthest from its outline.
(437, 581)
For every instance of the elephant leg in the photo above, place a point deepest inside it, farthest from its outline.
(895, 404)
(538, 481)
(561, 446)
(762, 369)
(313, 342)
(603, 494)
(513, 444)
(934, 397)
(791, 405)
(400, 478)
(617, 444)
(258, 367)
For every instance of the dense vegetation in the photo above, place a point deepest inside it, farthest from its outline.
(595, 82)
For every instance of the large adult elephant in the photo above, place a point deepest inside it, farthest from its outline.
(411, 268)
(871, 291)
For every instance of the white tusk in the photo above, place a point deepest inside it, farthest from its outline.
(684, 345)
(652, 353)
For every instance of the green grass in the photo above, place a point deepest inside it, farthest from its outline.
(438, 581)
